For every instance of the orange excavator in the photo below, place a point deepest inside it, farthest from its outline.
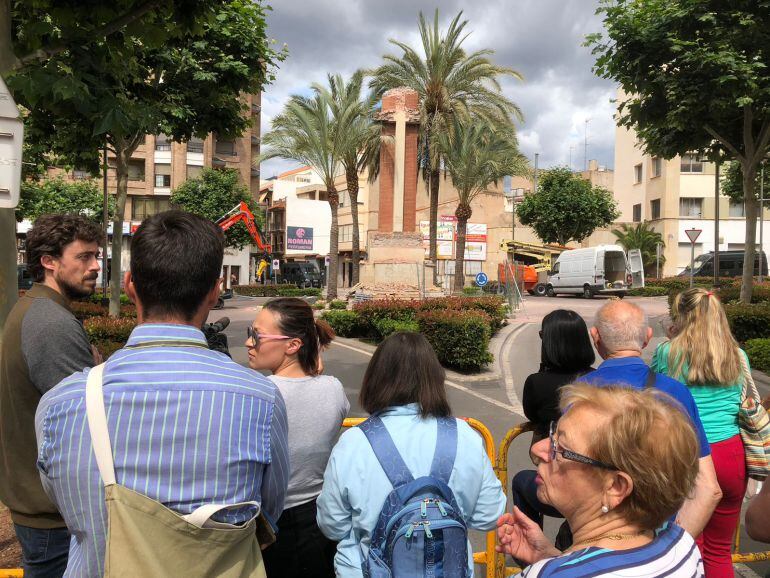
(242, 214)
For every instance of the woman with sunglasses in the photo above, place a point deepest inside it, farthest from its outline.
(618, 464)
(287, 341)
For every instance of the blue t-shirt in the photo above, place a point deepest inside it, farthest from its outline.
(633, 371)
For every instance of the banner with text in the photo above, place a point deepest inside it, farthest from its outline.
(299, 238)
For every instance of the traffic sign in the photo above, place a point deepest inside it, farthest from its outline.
(482, 279)
(11, 140)
(693, 234)
(276, 263)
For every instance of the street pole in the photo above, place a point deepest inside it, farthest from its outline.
(716, 224)
(105, 220)
(534, 186)
(657, 260)
(692, 264)
(761, 218)
(585, 147)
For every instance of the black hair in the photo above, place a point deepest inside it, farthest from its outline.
(295, 319)
(176, 260)
(51, 233)
(566, 345)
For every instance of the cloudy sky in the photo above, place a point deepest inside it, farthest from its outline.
(542, 39)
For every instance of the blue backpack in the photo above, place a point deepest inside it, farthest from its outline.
(420, 531)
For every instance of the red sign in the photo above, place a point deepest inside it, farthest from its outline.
(693, 234)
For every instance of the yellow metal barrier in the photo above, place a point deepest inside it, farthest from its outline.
(502, 473)
(489, 553)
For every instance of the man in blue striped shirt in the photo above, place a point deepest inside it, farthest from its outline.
(188, 425)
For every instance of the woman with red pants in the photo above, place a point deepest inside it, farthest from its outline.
(703, 355)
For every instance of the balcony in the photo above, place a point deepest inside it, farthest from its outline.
(225, 148)
(195, 146)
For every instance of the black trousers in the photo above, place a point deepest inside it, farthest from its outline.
(301, 550)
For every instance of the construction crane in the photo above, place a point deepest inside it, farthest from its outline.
(242, 214)
(537, 260)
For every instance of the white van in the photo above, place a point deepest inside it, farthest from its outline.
(604, 269)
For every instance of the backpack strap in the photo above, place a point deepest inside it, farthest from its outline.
(386, 452)
(649, 381)
(446, 449)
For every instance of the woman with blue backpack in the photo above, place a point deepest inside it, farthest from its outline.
(402, 489)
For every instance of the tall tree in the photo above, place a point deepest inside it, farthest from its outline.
(451, 83)
(305, 131)
(732, 181)
(357, 137)
(695, 77)
(643, 237)
(477, 155)
(56, 195)
(182, 75)
(566, 207)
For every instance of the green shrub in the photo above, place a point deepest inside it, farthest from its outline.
(758, 351)
(101, 329)
(748, 321)
(648, 292)
(338, 304)
(384, 327)
(344, 323)
(460, 338)
(396, 309)
(97, 298)
(759, 294)
(107, 348)
(261, 290)
(493, 287)
(319, 305)
(493, 305)
(86, 309)
(471, 291)
(306, 292)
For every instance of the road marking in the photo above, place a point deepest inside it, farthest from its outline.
(510, 388)
(462, 388)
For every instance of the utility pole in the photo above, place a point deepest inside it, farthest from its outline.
(585, 147)
(571, 148)
(716, 221)
(534, 185)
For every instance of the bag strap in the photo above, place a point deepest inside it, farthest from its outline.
(386, 452)
(649, 381)
(201, 516)
(97, 425)
(749, 387)
(446, 449)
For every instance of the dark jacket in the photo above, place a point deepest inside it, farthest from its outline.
(541, 397)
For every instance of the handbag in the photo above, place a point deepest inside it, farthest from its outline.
(754, 423)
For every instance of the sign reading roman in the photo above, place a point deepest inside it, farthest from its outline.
(299, 238)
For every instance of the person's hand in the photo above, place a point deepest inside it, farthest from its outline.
(522, 538)
(98, 360)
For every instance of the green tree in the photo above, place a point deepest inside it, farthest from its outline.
(214, 193)
(477, 155)
(182, 73)
(643, 237)
(56, 195)
(566, 207)
(695, 77)
(451, 83)
(732, 181)
(357, 137)
(305, 131)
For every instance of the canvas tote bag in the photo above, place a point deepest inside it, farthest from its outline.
(754, 422)
(145, 538)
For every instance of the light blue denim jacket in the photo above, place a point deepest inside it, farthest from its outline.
(355, 486)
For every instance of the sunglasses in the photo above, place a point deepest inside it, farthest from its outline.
(573, 456)
(257, 337)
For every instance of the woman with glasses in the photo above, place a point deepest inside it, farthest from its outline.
(703, 354)
(618, 464)
(287, 341)
(565, 354)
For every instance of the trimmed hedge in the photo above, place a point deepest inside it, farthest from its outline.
(97, 298)
(493, 305)
(86, 309)
(460, 338)
(472, 291)
(101, 329)
(758, 351)
(396, 309)
(680, 283)
(276, 291)
(759, 294)
(338, 304)
(748, 321)
(344, 323)
(385, 327)
(107, 348)
(648, 292)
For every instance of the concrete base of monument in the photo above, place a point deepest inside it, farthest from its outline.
(394, 258)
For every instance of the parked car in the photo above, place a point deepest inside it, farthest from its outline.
(730, 264)
(600, 270)
(301, 274)
(24, 278)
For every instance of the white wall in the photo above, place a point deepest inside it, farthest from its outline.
(731, 233)
(241, 259)
(316, 215)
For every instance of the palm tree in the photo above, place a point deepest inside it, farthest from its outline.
(451, 84)
(643, 237)
(357, 139)
(305, 132)
(478, 155)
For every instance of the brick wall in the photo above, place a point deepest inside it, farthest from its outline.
(410, 177)
(387, 164)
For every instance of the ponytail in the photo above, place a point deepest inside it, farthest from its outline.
(324, 331)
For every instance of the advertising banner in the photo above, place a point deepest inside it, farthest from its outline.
(475, 239)
(299, 238)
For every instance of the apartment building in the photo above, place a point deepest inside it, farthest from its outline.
(675, 195)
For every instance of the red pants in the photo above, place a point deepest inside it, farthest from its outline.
(716, 541)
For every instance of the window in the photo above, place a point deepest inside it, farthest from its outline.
(299, 179)
(657, 166)
(689, 207)
(737, 209)
(143, 207)
(655, 209)
(346, 233)
(225, 147)
(162, 180)
(162, 143)
(135, 170)
(638, 173)
(195, 145)
(637, 213)
(691, 164)
(344, 199)
(193, 172)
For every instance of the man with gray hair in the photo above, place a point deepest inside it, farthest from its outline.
(620, 334)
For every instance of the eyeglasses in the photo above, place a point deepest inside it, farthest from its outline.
(256, 336)
(572, 456)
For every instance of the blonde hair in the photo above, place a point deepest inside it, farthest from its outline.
(647, 436)
(703, 340)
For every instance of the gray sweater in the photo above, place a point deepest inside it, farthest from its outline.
(315, 407)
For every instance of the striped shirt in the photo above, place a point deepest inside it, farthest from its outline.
(672, 553)
(188, 426)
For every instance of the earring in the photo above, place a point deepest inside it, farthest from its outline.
(605, 509)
